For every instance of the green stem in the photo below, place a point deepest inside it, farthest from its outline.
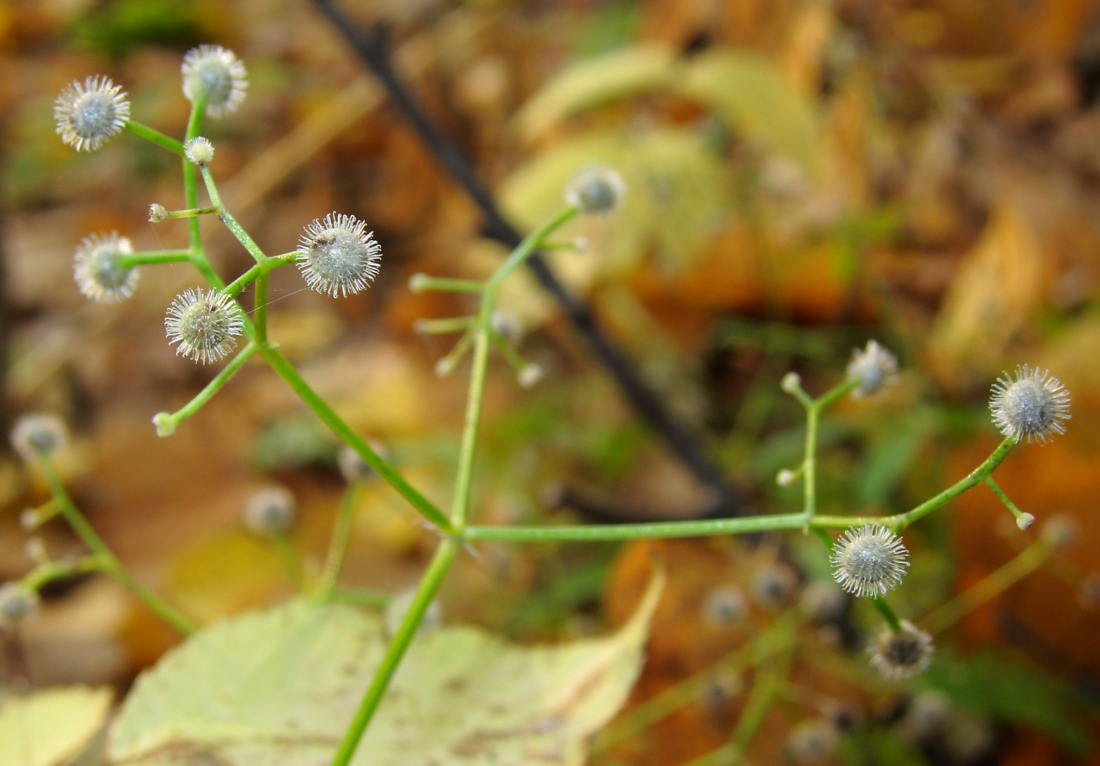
(515, 361)
(148, 259)
(446, 365)
(1026, 562)
(170, 215)
(341, 536)
(190, 189)
(167, 422)
(266, 266)
(465, 470)
(887, 612)
(443, 326)
(1006, 501)
(227, 218)
(527, 248)
(259, 310)
(107, 558)
(429, 586)
(342, 430)
(44, 574)
(155, 136)
(422, 282)
(290, 560)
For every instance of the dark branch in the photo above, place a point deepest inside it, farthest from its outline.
(372, 47)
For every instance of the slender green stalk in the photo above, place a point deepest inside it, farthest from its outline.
(149, 259)
(266, 266)
(465, 471)
(170, 215)
(675, 697)
(190, 190)
(447, 364)
(281, 541)
(996, 583)
(887, 612)
(443, 326)
(429, 586)
(259, 310)
(421, 282)
(227, 218)
(44, 574)
(515, 361)
(155, 136)
(341, 536)
(808, 468)
(168, 421)
(527, 248)
(329, 417)
(740, 525)
(1007, 502)
(109, 562)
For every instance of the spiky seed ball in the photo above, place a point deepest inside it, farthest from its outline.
(903, 654)
(812, 743)
(338, 256)
(16, 602)
(97, 271)
(270, 511)
(1032, 405)
(38, 434)
(869, 561)
(89, 115)
(216, 74)
(874, 367)
(203, 326)
(724, 606)
(596, 190)
(198, 150)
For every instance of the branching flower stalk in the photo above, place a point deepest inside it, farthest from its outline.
(339, 256)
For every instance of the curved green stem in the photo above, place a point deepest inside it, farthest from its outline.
(155, 137)
(341, 536)
(227, 218)
(166, 422)
(266, 266)
(44, 574)
(329, 417)
(429, 586)
(109, 562)
(153, 258)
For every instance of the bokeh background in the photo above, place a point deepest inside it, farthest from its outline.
(923, 173)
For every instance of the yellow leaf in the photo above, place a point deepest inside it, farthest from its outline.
(53, 726)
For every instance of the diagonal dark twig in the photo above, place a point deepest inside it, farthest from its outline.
(372, 47)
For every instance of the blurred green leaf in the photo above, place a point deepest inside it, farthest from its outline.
(995, 685)
(280, 687)
(291, 443)
(878, 747)
(116, 27)
(753, 96)
(627, 72)
(887, 461)
(53, 726)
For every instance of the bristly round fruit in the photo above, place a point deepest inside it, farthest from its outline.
(1033, 405)
(338, 256)
(199, 150)
(216, 74)
(903, 654)
(203, 326)
(89, 115)
(38, 434)
(596, 190)
(270, 511)
(869, 561)
(98, 273)
(873, 367)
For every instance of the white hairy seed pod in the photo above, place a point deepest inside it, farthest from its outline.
(869, 561)
(1032, 405)
(823, 602)
(724, 606)
(16, 602)
(198, 150)
(270, 511)
(216, 74)
(1025, 520)
(157, 213)
(785, 477)
(596, 191)
(203, 326)
(89, 115)
(774, 586)
(903, 654)
(97, 271)
(874, 367)
(38, 435)
(338, 256)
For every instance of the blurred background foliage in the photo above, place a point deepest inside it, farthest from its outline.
(803, 175)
